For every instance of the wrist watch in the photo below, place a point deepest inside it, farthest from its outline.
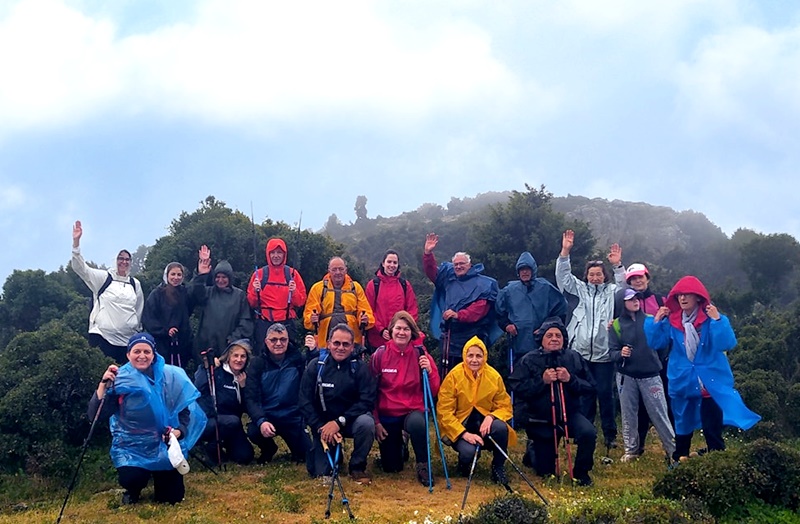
(341, 421)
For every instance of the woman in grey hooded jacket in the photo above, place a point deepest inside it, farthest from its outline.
(588, 327)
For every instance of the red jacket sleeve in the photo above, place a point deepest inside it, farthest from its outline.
(429, 266)
(474, 312)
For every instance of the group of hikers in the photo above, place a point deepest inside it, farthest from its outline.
(361, 371)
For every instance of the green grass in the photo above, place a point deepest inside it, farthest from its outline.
(282, 492)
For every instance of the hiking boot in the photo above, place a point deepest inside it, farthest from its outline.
(463, 468)
(583, 480)
(360, 477)
(629, 457)
(529, 457)
(268, 451)
(499, 475)
(422, 474)
(129, 498)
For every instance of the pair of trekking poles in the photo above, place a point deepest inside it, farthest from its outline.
(209, 365)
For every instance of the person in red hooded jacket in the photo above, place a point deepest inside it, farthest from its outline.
(700, 377)
(387, 294)
(274, 293)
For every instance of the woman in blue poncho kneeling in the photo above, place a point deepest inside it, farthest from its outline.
(146, 400)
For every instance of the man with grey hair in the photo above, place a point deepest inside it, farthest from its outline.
(462, 305)
(273, 386)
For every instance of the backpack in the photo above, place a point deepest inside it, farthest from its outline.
(324, 353)
(376, 284)
(109, 280)
(288, 274)
(325, 290)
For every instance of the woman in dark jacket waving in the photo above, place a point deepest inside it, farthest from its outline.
(166, 316)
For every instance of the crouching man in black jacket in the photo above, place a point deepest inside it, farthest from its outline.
(337, 397)
(537, 382)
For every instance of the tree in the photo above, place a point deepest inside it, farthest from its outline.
(232, 236)
(527, 222)
(48, 377)
(361, 207)
(768, 261)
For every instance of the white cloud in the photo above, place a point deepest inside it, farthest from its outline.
(245, 60)
(747, 79)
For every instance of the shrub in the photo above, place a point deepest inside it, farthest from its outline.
(727, 482)
(638, 510)
(509, 508)
(48, 377)
(718, 479)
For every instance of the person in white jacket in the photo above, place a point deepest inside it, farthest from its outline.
(588, 327)
(117, 298)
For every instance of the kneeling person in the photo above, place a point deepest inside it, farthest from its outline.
(272, 397)
(473, 405)
(225, 420)
(535, 382)
(337, 398)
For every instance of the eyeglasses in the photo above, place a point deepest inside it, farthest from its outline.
(276, 340)
(594, 263)
(337, 344)
(123, 259)
(337, 269)
(459, 264)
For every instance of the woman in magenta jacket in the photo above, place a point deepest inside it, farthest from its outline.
(387, 294)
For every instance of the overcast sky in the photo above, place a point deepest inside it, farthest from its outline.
(124, 113)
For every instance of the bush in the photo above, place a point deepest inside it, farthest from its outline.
(509, 508)
(727, 482)
(48, 377)
(637, 510)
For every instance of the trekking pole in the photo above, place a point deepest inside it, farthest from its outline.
(555, 428)
(202, 461)
(212, 389)
(525, 478)
(445, 360)
(174, 351)
(334, 462)
(427, 424)
(510, 340)
(83, 451)
(426, 384)
(469, 482)
(567, 443)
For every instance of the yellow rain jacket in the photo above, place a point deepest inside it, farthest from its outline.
(461, 392)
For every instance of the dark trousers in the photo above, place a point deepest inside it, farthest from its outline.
(167, 485)
(262, 324)
(391, 447)
(603, 375)
(118, 353)
(498, 431)
(362, 431)
(292, 432)
(233, 441)
(711, 420)
(581, 432)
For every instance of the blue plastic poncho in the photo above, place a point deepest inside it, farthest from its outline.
(147, 407)
(453, 292)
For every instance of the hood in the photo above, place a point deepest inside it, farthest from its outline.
(551, 322)
(474, 341)
(226, 269)
(687, 284)
(170, 266)
(272, 245)
(527, 260)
